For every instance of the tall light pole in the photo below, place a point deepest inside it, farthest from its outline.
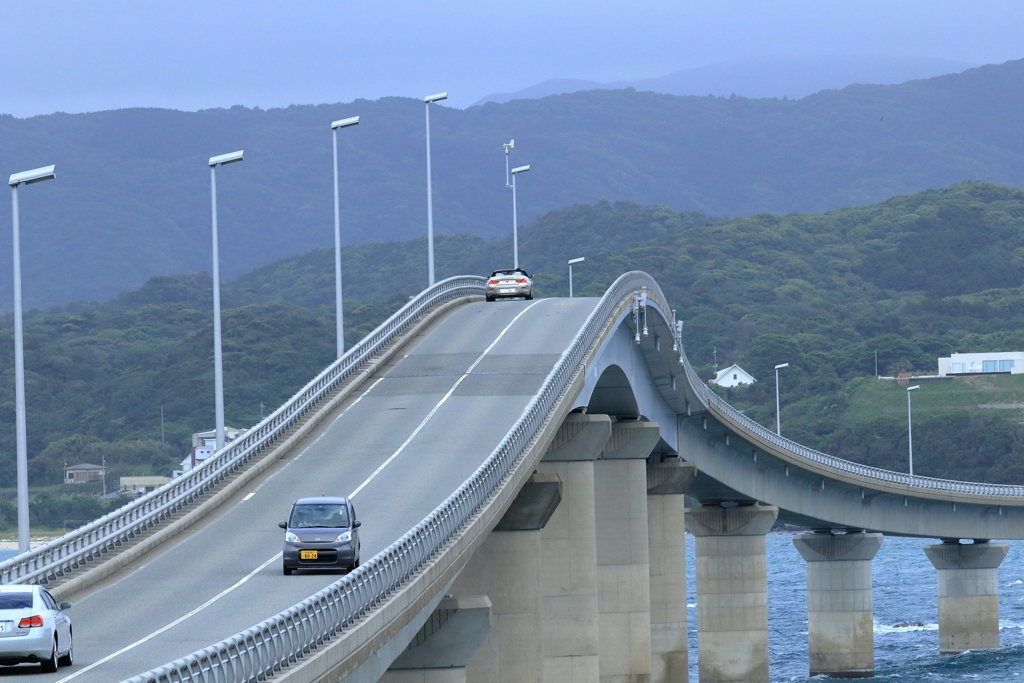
(575, 260)
(778, 413)
(430, 190)
(339, 323)
(218, 366)
(511, 144)
(515, 217)
(910, 433)
(26, 178)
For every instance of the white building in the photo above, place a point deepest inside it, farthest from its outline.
(203, 446)
(977, 363)
(733, 376)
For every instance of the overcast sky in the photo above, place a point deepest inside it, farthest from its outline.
(73, 56)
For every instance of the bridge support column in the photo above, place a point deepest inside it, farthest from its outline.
(666, 524)
(840, 612)
(968, 594)
(506, 568)
(623, 559)
(569, 586)
(732, 592)
(445, 645)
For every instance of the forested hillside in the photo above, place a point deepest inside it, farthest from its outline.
(912, 278)
(131, 199)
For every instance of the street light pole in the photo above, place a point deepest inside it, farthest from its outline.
(218, 366)
(575, 260)
(910, 434)
(778, 413)
(515, 218)
(339, 323)
(26, 178)
(430, 191)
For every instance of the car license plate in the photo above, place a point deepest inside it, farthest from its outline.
(508, 290)
(6, 626)
(307, 554)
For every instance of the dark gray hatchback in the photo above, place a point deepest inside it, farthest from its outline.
(321, 533)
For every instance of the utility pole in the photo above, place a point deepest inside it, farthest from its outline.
(261, 411)
(161, 424)
(715, 352)
(876, 364)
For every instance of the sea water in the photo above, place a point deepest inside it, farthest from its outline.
(904, 591)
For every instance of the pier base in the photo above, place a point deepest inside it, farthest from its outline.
(840, 620)
(968, 594)
(732, 592)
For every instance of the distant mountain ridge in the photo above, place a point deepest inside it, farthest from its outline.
(791, 78)
(132, 198)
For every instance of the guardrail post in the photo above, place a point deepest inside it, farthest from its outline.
(732, 591)
(968, 593)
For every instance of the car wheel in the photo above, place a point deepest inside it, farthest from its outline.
(489, 297)
(286, 570)
(50, 665)
(69, 658)
(529, 296)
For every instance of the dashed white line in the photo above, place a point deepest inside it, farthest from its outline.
(441, 402)
(250, 495)
(174, 623)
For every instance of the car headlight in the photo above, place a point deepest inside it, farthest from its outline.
(343, 537)
(291, 538)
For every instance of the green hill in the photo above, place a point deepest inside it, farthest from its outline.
(132, 196)
(821, 292)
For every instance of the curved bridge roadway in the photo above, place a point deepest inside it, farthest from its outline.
(422, 425)
(418, 429)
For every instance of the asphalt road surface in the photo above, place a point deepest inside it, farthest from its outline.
(417, 430)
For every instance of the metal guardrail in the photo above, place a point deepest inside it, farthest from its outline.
(711, 398)
(90, 541)
(265, 649)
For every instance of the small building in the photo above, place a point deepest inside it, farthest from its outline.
(733, 376)
(1011, 362)
(85, 472)
(204, 444)
(140, 485)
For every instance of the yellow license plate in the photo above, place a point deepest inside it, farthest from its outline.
(307, 554)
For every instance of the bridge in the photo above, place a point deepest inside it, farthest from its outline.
(521, 471)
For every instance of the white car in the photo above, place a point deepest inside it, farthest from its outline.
(34, 628)
(509, 283)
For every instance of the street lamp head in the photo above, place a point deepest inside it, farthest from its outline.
(225, 159)
(784, 365)
(34, 176)
(913, 387)
(436, 98)
(577, 260)
(345, 123)
(521, 169)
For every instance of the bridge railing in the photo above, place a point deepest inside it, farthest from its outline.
(888, 476)
(92, 540)
(261, 651)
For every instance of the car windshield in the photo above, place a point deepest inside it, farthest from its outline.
(319, 515)
(15, 601)
(509, 273)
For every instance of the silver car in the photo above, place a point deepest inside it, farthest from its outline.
(509, 283)
(34, 628)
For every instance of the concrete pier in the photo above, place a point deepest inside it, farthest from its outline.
(666, 520)
(968, 594)
(569, 585)
(732, 592)
(445, 645)
(840, 611)
(623, 560)
(507, 569)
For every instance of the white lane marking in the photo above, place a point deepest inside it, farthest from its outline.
(442, 401)
(174, 623)
(250, 495)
